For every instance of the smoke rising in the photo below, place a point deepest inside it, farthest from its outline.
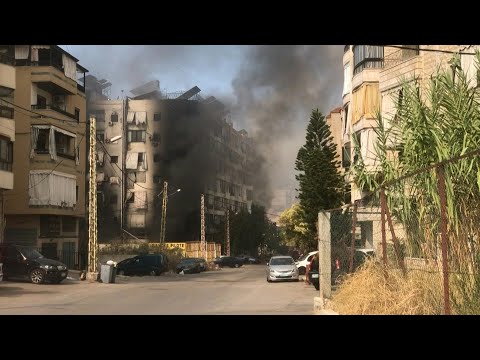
(276, 89)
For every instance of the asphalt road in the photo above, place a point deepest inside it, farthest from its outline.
(223, 292)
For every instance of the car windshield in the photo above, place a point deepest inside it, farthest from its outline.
(30, 253)
(302, 258)
(282, 261)
(188, 261)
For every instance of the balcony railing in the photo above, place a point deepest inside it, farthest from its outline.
(54, 108)
(7, 60)
(6, 112)
(80, 87)
(6, 165)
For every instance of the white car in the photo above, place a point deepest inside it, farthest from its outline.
(304, 261)
(281, 268)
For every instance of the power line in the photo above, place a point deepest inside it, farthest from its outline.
(428, 50)
(43, 116)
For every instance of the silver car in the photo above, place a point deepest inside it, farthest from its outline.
(281, 268)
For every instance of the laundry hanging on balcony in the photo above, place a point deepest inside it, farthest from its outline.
(131, 161)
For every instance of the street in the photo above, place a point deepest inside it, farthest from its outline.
(222, 292)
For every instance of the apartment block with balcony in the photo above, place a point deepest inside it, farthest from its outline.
(361, 103)
(176, 137)
(46, 208)
(7, 126)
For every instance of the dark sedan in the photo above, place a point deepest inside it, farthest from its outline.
(229, 261)
(189, 266)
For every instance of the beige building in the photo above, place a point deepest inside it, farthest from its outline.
(7, 125)
(46, 207)
(180, 138)
(372, 77)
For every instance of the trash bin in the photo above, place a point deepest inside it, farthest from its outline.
(107, 274)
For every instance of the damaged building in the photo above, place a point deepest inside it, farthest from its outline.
(181, 138)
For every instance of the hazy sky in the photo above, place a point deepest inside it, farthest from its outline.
(271, 89)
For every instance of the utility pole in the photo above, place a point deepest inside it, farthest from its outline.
(203, 244)
(227, 232)
(164, 213)
(92, 205)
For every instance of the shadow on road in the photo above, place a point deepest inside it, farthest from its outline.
(11, 291)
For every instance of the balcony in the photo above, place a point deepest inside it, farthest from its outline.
(7, 60)
(400, 64)
(52, 79)
(54, 108)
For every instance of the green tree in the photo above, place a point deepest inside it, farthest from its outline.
(321, 184)
(293, 228)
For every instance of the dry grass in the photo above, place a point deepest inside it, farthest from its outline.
(369, 292)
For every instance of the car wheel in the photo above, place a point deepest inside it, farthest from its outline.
(237, 265)
(37, 276)
(121, 273)
(301, 270)
(317, 286)
(268, 280)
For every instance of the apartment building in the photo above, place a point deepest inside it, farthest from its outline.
(179, 138)
(373, 77)
(46, 207)
(7, 126)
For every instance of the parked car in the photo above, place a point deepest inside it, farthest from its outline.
(281, 268)
(189, 266)
(149, 264)
(24, 262)
(303, 261)
(247, 259)
(360, 256)
(203, 263)
(230, 261)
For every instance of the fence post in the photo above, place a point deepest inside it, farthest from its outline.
(354, 226)
(443, 228)
(396, 243)
(324, 255)
(384, 235)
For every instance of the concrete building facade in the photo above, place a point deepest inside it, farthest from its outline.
(180, 138)
(46, 207)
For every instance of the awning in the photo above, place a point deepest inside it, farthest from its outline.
(100, 156)
(131, 161)
(130, 116)
(100, 177)
(141, 117)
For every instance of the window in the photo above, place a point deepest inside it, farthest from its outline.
(41, 102)
(101, 136)
(136, 136)
(156, 179)
(114, 159)
(6, 112)
(100, 115)
(49, 225)
(69, 224)
(141, 176)
(113, 199)
(77, 114)
(367, 57)
(156, 138)
(64, 146)
(157, 116)
(42, 141)
(6, 154)
(140, 157)
(156, 158)
(114, 117)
